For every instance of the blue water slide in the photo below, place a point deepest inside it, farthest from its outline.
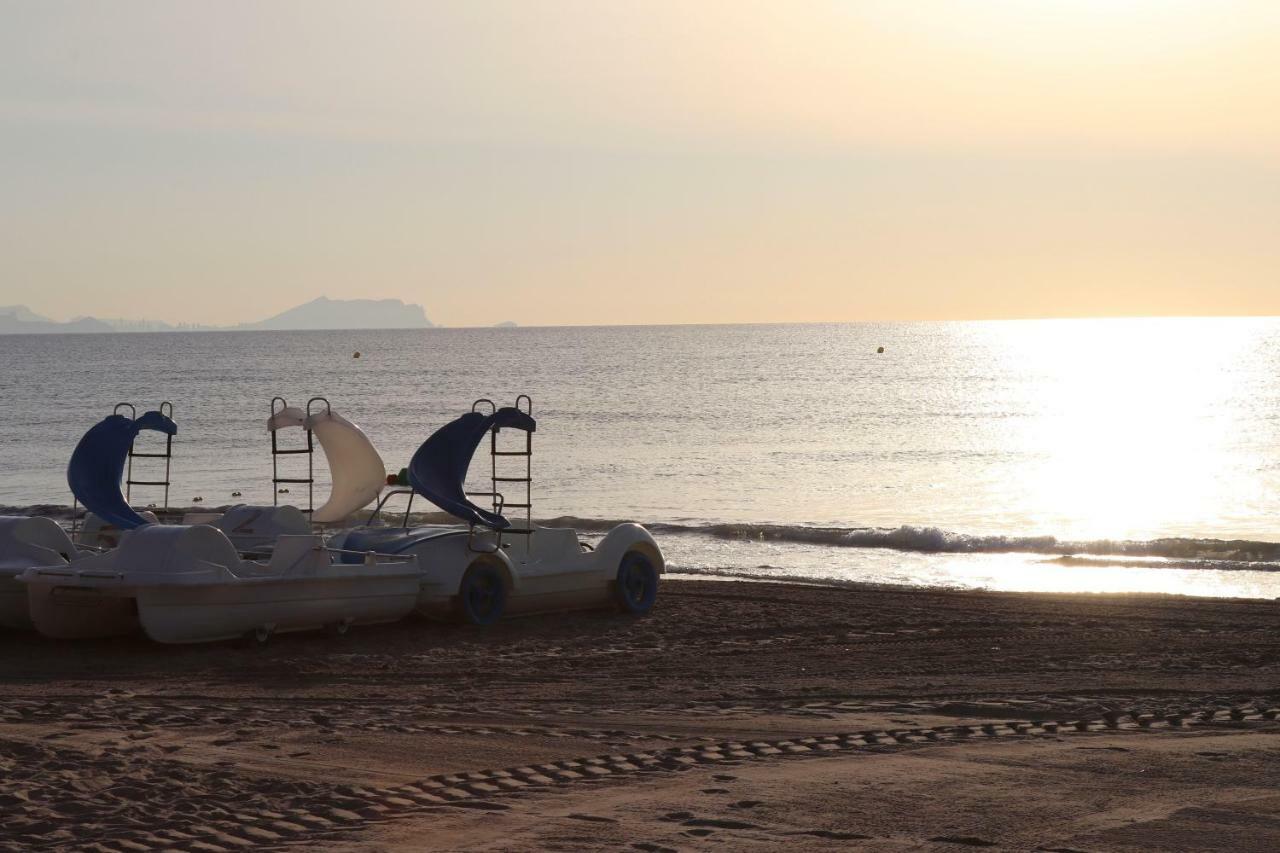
(97, 465)
(438, 471)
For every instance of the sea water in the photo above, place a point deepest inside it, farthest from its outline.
(1088, 455)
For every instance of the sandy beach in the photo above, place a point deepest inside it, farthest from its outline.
(736, 716)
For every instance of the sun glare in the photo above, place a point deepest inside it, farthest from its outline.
(1135, 431)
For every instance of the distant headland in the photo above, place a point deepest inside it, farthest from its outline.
(320, 313)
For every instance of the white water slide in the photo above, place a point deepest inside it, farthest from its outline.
(355, 467)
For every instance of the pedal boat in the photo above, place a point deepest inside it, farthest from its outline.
(26, 543)
(188, 584)
(101, 455)
(486, 567)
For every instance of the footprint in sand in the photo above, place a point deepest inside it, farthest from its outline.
(833, 835)
(968, 840)
(592, 818)
(745, 804)
(719, 823)
(479, 805)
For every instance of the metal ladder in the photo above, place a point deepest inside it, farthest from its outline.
(500, 504)
(309, 450)
(166, 409)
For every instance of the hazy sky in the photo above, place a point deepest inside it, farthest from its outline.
(646, 161)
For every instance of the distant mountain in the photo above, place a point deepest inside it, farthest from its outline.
(19, 320)
(23, 313)
(322, 313)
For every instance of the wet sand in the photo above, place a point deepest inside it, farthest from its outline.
(737, 716)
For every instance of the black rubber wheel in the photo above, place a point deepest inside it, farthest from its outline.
(257, 637)
(482, 596)
(636, 588)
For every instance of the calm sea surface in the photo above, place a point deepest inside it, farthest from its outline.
(1067, 455)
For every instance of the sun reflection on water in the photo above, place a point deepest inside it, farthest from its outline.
(1136, 423)
(1021, 573)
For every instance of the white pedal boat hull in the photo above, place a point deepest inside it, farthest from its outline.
(187, 585)
(68, 605)
(15, 614)
(26, 543)
(198, 614)
(544, 572)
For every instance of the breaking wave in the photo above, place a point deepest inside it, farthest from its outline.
(1170, 552)
(1229, 553)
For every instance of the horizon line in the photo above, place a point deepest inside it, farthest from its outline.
(441, 327)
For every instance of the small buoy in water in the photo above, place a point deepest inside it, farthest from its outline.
(880, 351)
(235, 494)
(282, 491)
(196, 500)
(356, 354)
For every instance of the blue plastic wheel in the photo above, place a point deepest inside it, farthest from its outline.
(637, 586)
(483, 595)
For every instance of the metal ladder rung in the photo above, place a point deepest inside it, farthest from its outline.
(167, 455)
(307, 449)
(500, 504)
